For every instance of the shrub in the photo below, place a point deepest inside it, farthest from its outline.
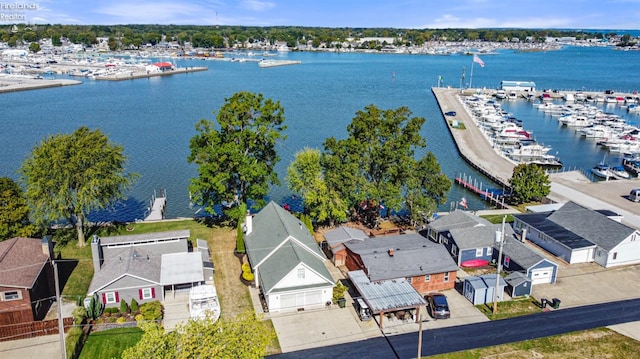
(124, 308)
(240, 239)
(338, 291)
(134, 305)
(151, 310)
(79, 315)
(111, 320)
(121, 320)
(139, 317)
(111, 310)
(248, 276)
(95, 308)
(246, 267)
(73, 342)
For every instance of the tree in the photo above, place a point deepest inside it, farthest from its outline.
(529, 182)
(306, 177)
(377, 163)
(34, 47)
(69, 175)
(236, 159)
(14, 211)
(241, 337)
(113, 43)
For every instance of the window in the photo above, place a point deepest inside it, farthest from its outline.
(479, 252)
(111, 297)
(446, 277)
(147, 293)
(12, 295)
(507, 261)
(300, 273)
(454, 250)
(489, 251)
(615, 255)
(427, 277)
(445, 240)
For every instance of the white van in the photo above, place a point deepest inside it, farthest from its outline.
(634, 195)
(362, 309)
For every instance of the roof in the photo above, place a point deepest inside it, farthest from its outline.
(278, 243)
(519, 253)
(413, 255)
(163, 64)
(591, 225)
(559, 233)
(21, 261)
(518, 83)
(476, 237)
(490, 280)
(336, 237)
(386, 295)
(145, 237)
(178, 268)
(139, 262)
(457, 219)
(476, 282)
(516, 278)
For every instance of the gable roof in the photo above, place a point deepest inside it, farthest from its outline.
(413, 255)
(139, 262)
(336, 237)
(515, 279)
(591, 225)
(519, 253)
(476, 237)
(540, 222)
(278, 243)
(21, 261)
(457, 219)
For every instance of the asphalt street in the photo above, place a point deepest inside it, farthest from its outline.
(465, 337)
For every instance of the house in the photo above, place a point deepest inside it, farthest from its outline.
(143, 267)
(335, 239)
(438, 230)
(482, 289)
(471, 243)
(517, 257)
(26, 280)
(426, 265)
(287, 263)
(578, 235)
(518, 285)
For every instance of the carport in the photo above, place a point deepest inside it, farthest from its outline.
(387, 296)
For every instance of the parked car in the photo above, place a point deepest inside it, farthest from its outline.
(450, 113)
(634, 195)
(437, 306)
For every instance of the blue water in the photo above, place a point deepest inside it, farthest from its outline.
(155, 118)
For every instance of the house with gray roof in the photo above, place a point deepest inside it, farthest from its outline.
(437, 230)
(143, 266)
(336, 238)
(518, 257)
(578, 235)
(471, 243)
(426, 265)
(287, 263)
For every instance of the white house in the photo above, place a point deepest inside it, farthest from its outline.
(287, 262)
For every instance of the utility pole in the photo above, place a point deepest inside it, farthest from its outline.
(500, 238)
(420, 338)
(63, 349)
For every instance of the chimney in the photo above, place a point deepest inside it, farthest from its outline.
(248, 224)
(47, 246)
(390, 252)
(96, 253)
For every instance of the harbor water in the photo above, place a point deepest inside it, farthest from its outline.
(155, 118)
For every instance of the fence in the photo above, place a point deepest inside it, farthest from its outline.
(32, 329)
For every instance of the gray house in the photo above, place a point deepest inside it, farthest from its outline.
(518, 285)
(471, 243)
(578, 235)
(287, 262)
(438, 230)
(517, 257)
(143, 267)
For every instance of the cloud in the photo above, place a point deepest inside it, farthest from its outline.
(450, 21)
(256, 5)
(157, 13)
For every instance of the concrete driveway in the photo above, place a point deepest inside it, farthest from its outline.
(176, 309)
(47, 346)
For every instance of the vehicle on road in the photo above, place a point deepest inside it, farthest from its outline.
(450, 113)
(437, 306)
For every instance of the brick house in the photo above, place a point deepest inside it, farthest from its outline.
(26, 280)
(426, 265)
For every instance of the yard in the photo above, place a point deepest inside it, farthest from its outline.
(110, 343)
(596, 343)
(511, 308)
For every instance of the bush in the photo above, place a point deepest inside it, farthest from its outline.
(151, 311)
(73, 342)
(248, 276)
(134, 305)
(121, 320)
(240, 239)
(338, 291)
(95, 308)
(124, 308)
(139, 317)
(111, 310)
(246, 267)
(79, 315)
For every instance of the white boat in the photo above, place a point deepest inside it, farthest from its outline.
(602, 170)
(568, 97)
(534, 153)
(501, 95)
(512, 96)
(633, 108)
(203, 301)
(620, 173)
(575, 121)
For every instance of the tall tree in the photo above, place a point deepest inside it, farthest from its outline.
(241, 337)
(236, 158)
(529, 182)
(378, 162)
(14, 211)
(306, 177)
(69, 175)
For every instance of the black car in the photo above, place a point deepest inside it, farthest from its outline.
(437, 306)
(450, 113)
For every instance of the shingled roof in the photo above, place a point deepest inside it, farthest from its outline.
(21, 261)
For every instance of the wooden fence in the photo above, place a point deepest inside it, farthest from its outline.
(32, 329)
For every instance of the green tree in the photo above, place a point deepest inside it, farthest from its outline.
(306, 177)
(378, 162)
(34, 47)
(529, 182)
(236, 159)
(242, 337)
(113, 43)
(14, 211)
(69, 175)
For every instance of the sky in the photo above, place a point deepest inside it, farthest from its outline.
(414, 14)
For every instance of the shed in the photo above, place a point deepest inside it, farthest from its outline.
(481, 289)
(518, 284)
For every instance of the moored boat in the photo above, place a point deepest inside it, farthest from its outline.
(203, 301)
(602, 170)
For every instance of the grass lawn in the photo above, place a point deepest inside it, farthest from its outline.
(596, 343)
(110, 343)
(512, 308)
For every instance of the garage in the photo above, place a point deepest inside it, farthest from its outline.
(542, 276)
(293, 301)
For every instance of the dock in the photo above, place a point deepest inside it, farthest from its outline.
(274, 63)
(13, 84)
(157, 205)
(478, 188)
(141, 75)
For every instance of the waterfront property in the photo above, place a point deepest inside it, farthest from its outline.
(578, 235)
(517, 257)
(335, 239)
(528, 86)
(482, 289)
(287, 263)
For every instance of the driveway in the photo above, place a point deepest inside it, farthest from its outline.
(176, 309)
(47, 346)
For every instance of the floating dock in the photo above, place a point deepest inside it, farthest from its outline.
(490, 195)
(157, 205)
(274, 63)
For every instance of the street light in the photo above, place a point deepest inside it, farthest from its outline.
(500, 239)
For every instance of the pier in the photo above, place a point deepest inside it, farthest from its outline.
(157, 205)
(485, 193)
(13, 84)
(141, 75)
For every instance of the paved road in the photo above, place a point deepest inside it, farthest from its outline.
(478, 335)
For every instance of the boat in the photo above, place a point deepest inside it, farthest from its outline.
(631, 163)
(535, 154)
(501, 95)
(203, 302)
(274, 63)
(620, 173)
(475, 263)
(568, 97)
(602, 170)
(512, 96)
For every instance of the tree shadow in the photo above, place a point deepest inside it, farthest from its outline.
(65, 268)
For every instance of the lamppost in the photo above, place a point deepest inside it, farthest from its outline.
(500, 239)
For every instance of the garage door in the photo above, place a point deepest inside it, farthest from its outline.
(300, 300)
(542, 275)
